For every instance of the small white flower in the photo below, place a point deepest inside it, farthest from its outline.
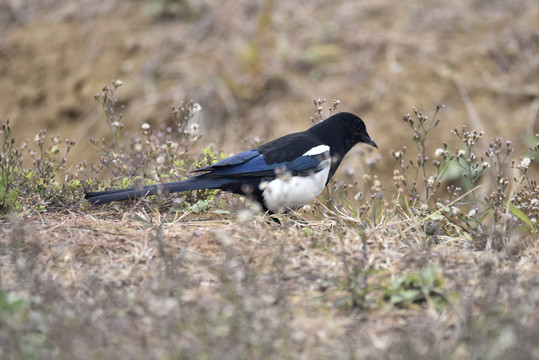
(145, 126)
(398, 155)
(525, 163)
(196, 108)
(535, 201)
(245, 215)
(263, 185)
(472, 213)
(193, 130)
(439, 152)
(430, 181)
(461, 152)
(485, 165)
(455, 210)
(358, 196)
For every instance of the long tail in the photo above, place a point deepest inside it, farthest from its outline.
(103, 197)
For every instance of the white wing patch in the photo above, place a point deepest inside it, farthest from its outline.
(296, 191)
(317, 150)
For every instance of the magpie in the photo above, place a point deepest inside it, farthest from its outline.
(282, 174)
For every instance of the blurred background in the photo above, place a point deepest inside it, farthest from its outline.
(255, 67)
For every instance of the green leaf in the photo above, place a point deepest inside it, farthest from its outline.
(519, 214)
(221, 212)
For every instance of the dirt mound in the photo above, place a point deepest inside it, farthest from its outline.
(256, 66)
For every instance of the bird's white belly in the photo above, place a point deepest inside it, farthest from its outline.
(296, 191)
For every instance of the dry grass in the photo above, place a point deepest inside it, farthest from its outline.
(150, 287)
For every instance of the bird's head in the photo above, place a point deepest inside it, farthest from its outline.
(341, 132)
(357, 127)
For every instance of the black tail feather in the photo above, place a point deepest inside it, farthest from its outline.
(103, 197)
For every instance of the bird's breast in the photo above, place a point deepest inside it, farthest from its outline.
(294, 191)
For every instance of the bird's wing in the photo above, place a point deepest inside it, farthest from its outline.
(254, 163)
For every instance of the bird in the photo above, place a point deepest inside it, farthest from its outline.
(283, 174)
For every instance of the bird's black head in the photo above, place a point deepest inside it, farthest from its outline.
(354, 126)
(341, 132)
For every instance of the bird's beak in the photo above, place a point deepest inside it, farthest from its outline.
(371, 142)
